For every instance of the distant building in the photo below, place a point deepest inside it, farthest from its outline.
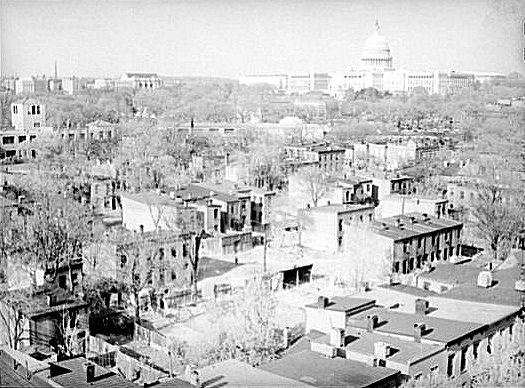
(139, 81)
(104, 83)
(401, 204)
(28, 118)
(376, 52)
(71, 85)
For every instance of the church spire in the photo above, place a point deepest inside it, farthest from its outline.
(377, 24)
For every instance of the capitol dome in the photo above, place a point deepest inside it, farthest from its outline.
(376, 52)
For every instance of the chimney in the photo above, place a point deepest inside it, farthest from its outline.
(381, 350)
(322, 302)
(157, 191)
(421, 306)
(372, 321)
(328, 203)
(398, 222)
(419, 330)
(172, 195)
(412, 220)
(425, 216)
(384, 226)
(337, 337)
(90, 372)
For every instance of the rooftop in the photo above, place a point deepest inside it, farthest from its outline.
(345, 304)
(393, 322)
(411, 225)
(314, 369)
(71, 373)
(234, 373)
(406, 352)
(464, 278)
(440, 306)
(339, 208)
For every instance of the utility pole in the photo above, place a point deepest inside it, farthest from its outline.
(265, 246)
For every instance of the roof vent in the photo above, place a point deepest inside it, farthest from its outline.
(485, 279)
(421, 306)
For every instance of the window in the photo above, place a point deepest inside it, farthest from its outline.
(33, 109)
(173, 252)
(340, 241)
(123, 261)
(62, 281)
(489, 343)
(215, 213)
(475, 350)
(450, 365)
(361, 218)
(426, 285)
(417, 377)
(15, 109)
(396, 267)
(161, 253)
(38, 109)
(173, 275)
(463, 360)
(419, 242)
(21, 139)
(8, 140)
(340, 225)
(461, 195)
(370, 216)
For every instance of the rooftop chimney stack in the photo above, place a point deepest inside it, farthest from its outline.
(322, 302)
(419, 330)
(421, 306)
(337, 337)
(90, 372)
(372, 321)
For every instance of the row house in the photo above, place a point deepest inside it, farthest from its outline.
(409, 241)
(330, 159)
(96, 130)
(415, 336)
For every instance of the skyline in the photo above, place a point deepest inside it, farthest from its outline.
(229, 38)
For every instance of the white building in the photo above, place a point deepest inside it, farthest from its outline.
(139, 81)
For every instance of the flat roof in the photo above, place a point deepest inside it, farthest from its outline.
(393, 322)
(74, 375)
(407, 351)
(234, 373)
(339, 208)
(420, 226)
(345, 303)
(440, 306)
(314, 369)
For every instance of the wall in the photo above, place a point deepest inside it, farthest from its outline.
(324, 320)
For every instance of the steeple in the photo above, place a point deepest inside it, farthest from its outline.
(377, 24)
(56, 70)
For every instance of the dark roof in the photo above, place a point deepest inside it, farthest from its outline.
(74, 375)
(437, 329)
(314, 369)
(346, 304)
(411, 225)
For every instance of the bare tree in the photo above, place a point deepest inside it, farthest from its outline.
(499, 216)
(13, 306)
(315, 183)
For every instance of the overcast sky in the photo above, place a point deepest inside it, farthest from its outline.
(231, 37)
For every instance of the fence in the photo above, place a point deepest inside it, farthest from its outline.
(150, 337)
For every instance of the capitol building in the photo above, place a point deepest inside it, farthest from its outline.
(376, 70)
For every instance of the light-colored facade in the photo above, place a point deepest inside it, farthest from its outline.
(278, 81)
(139, 81)
(71, 85)
(323, 227)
